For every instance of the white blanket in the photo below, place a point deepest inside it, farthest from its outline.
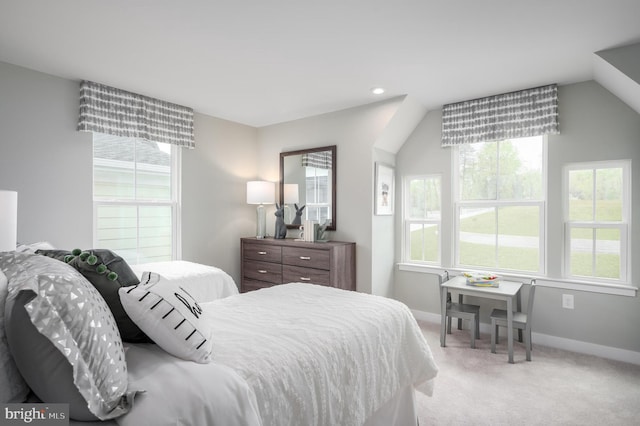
(203, 282)
(293, 354)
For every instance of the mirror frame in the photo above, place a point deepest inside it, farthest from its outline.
(333, 150)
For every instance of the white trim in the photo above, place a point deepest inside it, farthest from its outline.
(612, 289)
(624, 225)
(176, 176)
(571, 345)
(558, 283)
(415, 267)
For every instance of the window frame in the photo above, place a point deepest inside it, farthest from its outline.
(408, 221)
(315, 204)
(175, 203)
(457, 204)
(624, 226)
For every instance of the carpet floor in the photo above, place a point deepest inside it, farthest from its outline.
(476, 387)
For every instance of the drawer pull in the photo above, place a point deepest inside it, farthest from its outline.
(305, 279)
(262, 253)
(305, 257)
(262, 271)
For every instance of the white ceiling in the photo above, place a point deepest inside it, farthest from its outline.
(267, 61)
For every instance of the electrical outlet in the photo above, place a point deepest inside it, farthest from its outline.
(567, 301)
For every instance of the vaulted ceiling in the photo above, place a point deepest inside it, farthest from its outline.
(264, 62)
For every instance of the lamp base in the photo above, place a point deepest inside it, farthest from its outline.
(261, 224)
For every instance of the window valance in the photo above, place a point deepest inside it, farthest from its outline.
(525, 113)
(320, 160)
(117, 112)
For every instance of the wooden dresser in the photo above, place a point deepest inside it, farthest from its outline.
(267, 262)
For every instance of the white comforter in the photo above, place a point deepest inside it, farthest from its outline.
(293, 354)
(203, 282)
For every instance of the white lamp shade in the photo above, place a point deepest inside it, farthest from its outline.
(8, 220)
(291, 193)
(261, 192)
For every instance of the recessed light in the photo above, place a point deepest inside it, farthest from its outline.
(377, 90)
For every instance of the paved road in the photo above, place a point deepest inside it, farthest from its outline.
(604, 246)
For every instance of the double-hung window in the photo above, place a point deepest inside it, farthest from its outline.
(422, 219)
(317, 193)
(136, 198)
(499, 205)
(596, 218)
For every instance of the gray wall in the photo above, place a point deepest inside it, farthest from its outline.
(382, 238)
(44, 158)
(49, 163)
(355, 132)
(215, 214)
(595, 125)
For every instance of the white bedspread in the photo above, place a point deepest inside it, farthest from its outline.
(203, 282)
(293, 354)
(317, 355)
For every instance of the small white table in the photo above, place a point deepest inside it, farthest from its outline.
(506, 292)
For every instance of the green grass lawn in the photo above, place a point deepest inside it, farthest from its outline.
(525, 259)
(521, 221)
(424, 244)
(513, 221)
(607, 265)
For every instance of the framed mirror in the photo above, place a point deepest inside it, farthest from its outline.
(308, 181)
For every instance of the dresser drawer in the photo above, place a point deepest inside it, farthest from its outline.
(251, 285)
(262, 271)
(297, 274)
(310, 258)
(262, 252)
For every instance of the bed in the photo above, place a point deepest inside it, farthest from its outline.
(292, 354)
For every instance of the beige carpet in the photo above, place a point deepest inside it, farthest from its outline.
(476, 387)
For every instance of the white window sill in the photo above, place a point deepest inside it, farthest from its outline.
(559, 283)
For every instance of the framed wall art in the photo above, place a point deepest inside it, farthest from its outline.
(384, 189)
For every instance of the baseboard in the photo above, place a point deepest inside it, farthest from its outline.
(578, 346)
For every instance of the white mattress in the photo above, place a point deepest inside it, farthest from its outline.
(293, 354)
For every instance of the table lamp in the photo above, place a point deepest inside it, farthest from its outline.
(261, 193)
(8, 220)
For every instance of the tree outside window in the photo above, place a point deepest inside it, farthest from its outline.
(500, 205)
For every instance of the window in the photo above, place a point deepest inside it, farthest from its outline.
(318, 191)
(422, 219)
(597, 203)
(499, 205)
(135, 193)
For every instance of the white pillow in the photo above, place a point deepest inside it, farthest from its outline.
(170, 316)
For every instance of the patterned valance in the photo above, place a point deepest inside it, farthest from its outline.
(117, 112)
(320, 160)
(531, 112)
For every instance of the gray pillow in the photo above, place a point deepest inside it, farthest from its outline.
(107, 285)
(12, 386)
(63, 338)
(26, 343)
